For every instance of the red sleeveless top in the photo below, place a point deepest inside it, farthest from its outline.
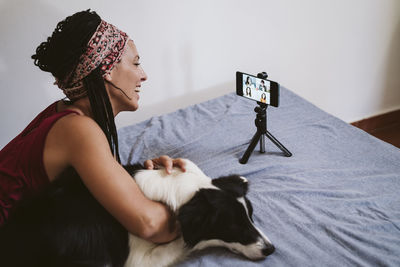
(21, 161)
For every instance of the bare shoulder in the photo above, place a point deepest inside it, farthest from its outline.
(70, 139)
(78, 132)
(74, 125)
(77, 122)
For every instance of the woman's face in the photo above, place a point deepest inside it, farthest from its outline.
(128, 76)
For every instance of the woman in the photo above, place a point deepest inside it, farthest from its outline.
(248, 81)
(262, 86)
(97, 67)
(263, 98)
(248, 91)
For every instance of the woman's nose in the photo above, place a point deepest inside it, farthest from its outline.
(144, 76)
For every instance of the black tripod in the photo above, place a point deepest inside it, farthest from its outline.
(261, 123)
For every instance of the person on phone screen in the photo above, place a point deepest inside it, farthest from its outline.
(262, 86)
(263, 98)
(249, 83)
(248, 91)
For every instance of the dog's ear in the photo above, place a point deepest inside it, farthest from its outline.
(198, 217)
(233, 184)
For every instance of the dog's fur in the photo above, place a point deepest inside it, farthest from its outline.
(66, 226)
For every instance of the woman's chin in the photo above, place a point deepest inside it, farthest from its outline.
(134, 106)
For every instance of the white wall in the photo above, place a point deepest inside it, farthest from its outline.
(341, 55)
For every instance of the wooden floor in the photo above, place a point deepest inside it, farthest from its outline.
(385, 127)
(389, 134)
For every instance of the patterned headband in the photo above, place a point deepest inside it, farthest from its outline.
(104, 49)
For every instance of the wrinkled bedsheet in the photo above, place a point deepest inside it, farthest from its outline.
(335, 202)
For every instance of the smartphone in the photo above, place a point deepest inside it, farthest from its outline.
(260, 90)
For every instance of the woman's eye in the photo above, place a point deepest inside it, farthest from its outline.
(136, 64)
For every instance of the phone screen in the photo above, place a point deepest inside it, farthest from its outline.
(256, 89)
(260, 90)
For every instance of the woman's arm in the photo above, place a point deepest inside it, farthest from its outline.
(86, 149)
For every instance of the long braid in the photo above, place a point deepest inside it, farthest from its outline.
(102, 109)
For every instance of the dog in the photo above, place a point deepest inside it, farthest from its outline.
(65, 226)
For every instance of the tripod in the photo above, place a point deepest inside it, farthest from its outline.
(261, 123)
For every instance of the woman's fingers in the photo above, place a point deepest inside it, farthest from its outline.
(180, 163)
(148, 164)
(166, 162)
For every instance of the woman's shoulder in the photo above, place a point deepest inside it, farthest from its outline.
(74, 131)
(74, 124)
(73, 136)
(74, 120)
(77, 135)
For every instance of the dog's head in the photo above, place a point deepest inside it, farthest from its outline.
(223, 217)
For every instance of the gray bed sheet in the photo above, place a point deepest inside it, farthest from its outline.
(335, 202)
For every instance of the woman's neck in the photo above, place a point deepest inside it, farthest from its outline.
(82, 106)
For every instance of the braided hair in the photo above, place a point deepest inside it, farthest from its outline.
(60, 54)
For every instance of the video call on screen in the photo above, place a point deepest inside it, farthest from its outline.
(256, 89)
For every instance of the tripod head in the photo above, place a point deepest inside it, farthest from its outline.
(261, 107)
(262, 75)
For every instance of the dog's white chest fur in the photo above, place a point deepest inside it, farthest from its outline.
(175, 189)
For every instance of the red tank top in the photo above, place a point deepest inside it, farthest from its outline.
(21, 161)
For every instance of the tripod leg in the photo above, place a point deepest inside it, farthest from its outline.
(278, 144)
(262, 143)
(251, 147)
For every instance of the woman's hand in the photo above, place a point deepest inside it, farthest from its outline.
(166, 162)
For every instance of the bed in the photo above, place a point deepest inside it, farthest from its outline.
(335, 202)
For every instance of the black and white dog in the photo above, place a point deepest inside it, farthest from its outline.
(66, 226)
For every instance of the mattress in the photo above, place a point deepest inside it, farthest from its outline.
(335, 202)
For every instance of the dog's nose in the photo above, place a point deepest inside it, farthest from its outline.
(268, 250)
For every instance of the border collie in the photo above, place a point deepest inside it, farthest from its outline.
(65, 226)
